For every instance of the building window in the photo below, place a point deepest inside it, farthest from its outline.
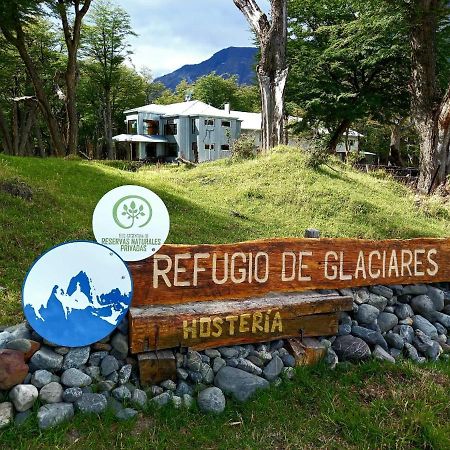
(132, 127)
(170, 129)
(151, 127)
(172, 150)
(226, 123)
(194, 126)
(209, 146)
(225, 147)
(209, 122)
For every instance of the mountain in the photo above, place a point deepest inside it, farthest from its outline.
(238, 61)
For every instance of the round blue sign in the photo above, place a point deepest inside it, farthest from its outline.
(77, 293)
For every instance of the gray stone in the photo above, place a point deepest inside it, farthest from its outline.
(195, 377)
(288, 360)
(415, 289)
(229, 352)
(248, 366)
(47, 359)
(437, 297)
(240, 384)
(94, 372)
(182, 374)
(124, 374)
(23, 396)
(121, 393)
(344, 330)
(208, 373)
(21, 345)
(96, 358)
(71, 395)
(120, 343)
(403, 311)
(169, 385)
(422, 324)
(211, 400)
(5, 337)
(411, 352)
(395, 341)
(384, 291)
(61, 350)
(351, 348)
(154, 391)
(113, 404)
(386, 321)
(139, 398)
(443, 319)
(331, 358)
(367, 313)
(183, 388)
(378, 301)
(109, 365)
(6, 414)
(406, 332)
(126, 414)
(76, 357)
(20, 331)
(106, 386)
(382, 355)
(161, 400)
(194, 361)
(361, 296)
(345, 319)
(51, 393)
(253, 359)
(276, 345)
(188, 401)
(114, 377)
(75, 378)
(422, 304)
(440, 328)
(212, 353)
(53, 414)
(91, 403)
(176, 402)
(22, 417)
(395, 353)
(288, 373)
(205, 359)
(273, 369)
(425, 345)
(369, 336)
(40, 378)
(389, 309)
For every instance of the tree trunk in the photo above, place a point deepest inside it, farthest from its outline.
(40, 142)
(272, 70)
(15, 128)
(395, 157)
(4, 130)
(108, 125)
(25, 128)
(336, 136)
(72, 113)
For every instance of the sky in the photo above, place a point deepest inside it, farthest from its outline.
(173, 33)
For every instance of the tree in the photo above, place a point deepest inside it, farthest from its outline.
(347, 62)
(272, 70)
(106, 43)
(430, 98)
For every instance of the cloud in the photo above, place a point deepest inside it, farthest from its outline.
(173, 33)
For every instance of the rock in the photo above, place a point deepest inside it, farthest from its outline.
(124, 373)
(443, 319)
(23, 396)
(188, 401)
(212, 353)
(411, 352)
(208, 373)
(383, 291)
(106, 386)
(120, 343)
(395, 353)
(194, 361)
(389, 309)
(240, 384)
(91, 403)
(211, 400)
(139, 398)
(344, 330)
(176, 402)
(367, 314)
(205, 359)
(425, 345)
(361, 296)
(183, 388)
(369, 336)
(126, 414)
(195, 377)
(378, 301)
(350, 348)
(26, 346)
(96, 358)
(386, 321)
(437, 296)
(168, 385)
(382, 355)
(415, 289)
(13, 369)
(276, 345)
(154, 391)
(51, 393)
(94, 372)
(61, 351)
(248, 366)
(75, 378)
(422, 324)
(6, 414)
(403, 311)
(273, 369)
(253, 359)
(47, 359)
(76, 357)
(422, 304)
(440, 328)
(229, 352)
(21, 418)
(40, 378)
(288, 373)
(406, 332)
(121, 393)
(395, 341)
(20, 331)
(331, 358)
(5, 337)
(71, 395)
(50, 415)
(288, 360)
(182, 374)
(161, 400)
(218, 364)
(407, 321)
(109, 365)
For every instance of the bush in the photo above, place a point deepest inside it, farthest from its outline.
(243, 148)
(316, 154)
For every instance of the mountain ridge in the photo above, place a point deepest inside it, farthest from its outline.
(239, 61)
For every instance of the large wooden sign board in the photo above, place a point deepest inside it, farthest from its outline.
(194, 273)
(204, 296)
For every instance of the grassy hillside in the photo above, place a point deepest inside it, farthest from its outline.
(273, 196)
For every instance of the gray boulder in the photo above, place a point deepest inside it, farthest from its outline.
(367, 313)
(121, 393)
(383, 291)
(437, 296)
(75, 378)
(394, 340)
(139, 398)
(351, 348)
(5, 337)
(378, 301)
(91, 403)
(194, 361)
(382, 355)
(76, 357)
(109, 365)
(211, 400)
(422, 324)
(6, 414)
(51, 393)
(406, 332)
(47, 359)
(54, 414)
(425, 345)
(126, 414)
(403, 311)
(120, 343)
(386, 321)
(238, 383)
(229, 352)
(411, 352)
(218, 363)
(369, 336)
(415, 289)
(71, 395)
(422, 304)
(273, 369)
(161, 400)
(40, 378)
(23, 396)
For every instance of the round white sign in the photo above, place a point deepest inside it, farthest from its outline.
(77, 293)
(131, 220)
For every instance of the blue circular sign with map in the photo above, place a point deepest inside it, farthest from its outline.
(77, 293)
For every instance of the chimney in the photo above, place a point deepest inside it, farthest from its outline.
(227, 108)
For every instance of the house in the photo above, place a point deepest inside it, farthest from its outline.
(191, 130)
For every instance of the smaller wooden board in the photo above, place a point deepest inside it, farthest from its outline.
(307, 352)
(214, 324)
(155, 367)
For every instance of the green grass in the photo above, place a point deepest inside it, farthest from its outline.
(370, 406)
(275, 195)
(367, 406)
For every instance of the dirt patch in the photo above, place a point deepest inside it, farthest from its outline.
(17, 188)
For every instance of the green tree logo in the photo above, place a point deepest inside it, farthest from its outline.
(132, 210)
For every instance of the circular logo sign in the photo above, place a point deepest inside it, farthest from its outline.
(131, 220)
(77, 293)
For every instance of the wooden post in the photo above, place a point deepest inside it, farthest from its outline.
(158, 366)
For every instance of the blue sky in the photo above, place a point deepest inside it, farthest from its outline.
(177, 32)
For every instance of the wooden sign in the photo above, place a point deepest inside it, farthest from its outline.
(213, 324)
(195, 273)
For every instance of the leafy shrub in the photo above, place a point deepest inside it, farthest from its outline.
(128, 166)
(316, 154)
(244, 148)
